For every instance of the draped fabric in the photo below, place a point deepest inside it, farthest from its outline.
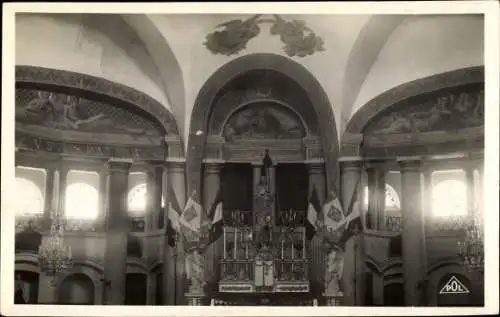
(174, 212)
(312, 214)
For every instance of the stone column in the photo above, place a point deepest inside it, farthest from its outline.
(211, 186)
(376, 196)
(413, 236)
(427, 194)
(174, 266)
(353, 283)
(117, 229)
(154, 192)
(51, 194)
(103, 196)
(315, 250)
(63, 184)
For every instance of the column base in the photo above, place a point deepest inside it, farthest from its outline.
(196, 299)
(334, 299)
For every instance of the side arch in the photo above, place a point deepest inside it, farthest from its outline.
(96, 88)
(464, 76)
(206, 97)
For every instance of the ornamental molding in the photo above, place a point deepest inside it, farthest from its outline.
(33, 143)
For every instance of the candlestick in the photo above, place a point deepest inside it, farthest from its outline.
(293, 251)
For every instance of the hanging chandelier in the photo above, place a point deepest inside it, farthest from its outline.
(471, 248)
(54, 256)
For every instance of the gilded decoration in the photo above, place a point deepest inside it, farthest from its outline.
(263, 122)
(233, 36)
(448, 111)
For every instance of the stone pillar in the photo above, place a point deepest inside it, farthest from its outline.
(315, 250)
(413, 236)
(211, 186)
(63, 184)
(174, 266)
(353, 283)
(103, 196)
(117, 228)
(376, 196)
(51, 194)
(154, 192)
(427, 194)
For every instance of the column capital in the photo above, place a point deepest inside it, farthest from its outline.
(119, 165)
(410, 164)
(175, 166)
(213, 167)
(380, 165)
(352, 166)
(316, 167)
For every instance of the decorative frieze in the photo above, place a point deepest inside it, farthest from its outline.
(34, 143)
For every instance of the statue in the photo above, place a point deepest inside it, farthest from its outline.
(335, 266)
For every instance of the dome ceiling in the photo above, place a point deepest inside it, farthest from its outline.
(169, 57)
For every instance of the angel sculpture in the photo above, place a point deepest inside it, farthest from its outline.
(234, 37)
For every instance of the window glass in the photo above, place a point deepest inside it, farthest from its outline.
(29, 200)
(449, 198)
(137, 200)
(392, 202)
(82, 201)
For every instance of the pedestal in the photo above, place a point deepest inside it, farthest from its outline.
(196, 299)
(334, 300)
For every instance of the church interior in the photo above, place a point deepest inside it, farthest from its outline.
(228, 159)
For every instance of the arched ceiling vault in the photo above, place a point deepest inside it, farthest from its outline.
(163, 55)
(371, 39)
(164, 59)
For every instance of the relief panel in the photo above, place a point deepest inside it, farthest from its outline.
(441, 111)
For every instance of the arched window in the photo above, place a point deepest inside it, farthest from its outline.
(449, 198)
(137, 200)
(82, 201)
(392, 202)
(30, 200)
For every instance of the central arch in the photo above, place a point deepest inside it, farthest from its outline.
(207, 98)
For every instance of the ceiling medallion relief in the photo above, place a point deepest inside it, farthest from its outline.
(298, 39)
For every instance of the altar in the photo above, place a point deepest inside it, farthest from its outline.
(264, 249)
